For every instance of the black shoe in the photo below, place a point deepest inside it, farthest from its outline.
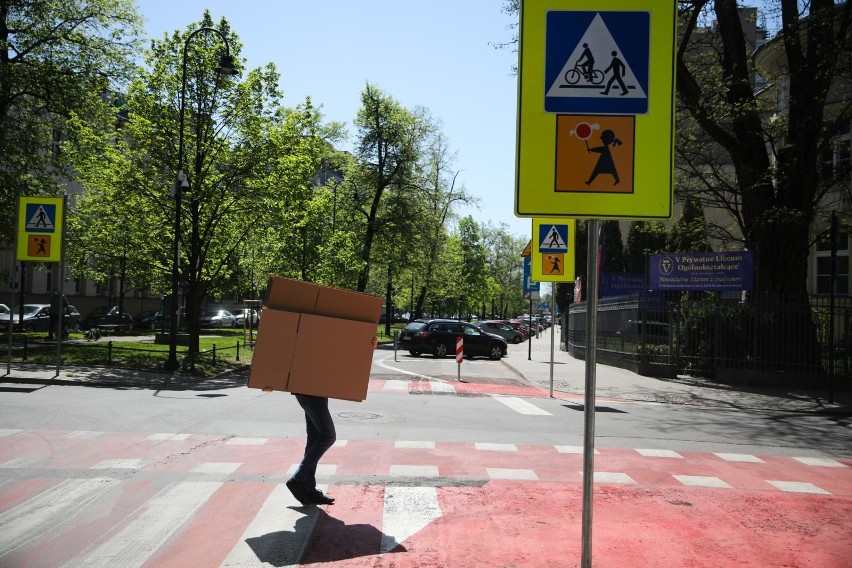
(299, 492)
(321, 498)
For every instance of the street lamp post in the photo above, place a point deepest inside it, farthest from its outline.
(226, 67)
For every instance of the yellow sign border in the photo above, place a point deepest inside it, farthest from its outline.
(536, 129)
(536, 272)
(56, 234)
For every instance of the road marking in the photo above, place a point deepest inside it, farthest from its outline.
(438, 386)
(161, 517)
(489, 447)
(798, 487)
(10, 432)
(820, 462)
(407, 510)
(163, 437)
(121, 464)
(571, 449)
(84, 435)
(611, 477)
(322, 469)
(414, 471)
(521, 406)
(659, 453)
(740, 458)
(44, 512)
(383, 364)
(216, 467)
(701, 481)
(511, 474)
(277, 536)
(396, 385)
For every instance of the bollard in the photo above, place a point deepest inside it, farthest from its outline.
(214, 353)
(238, 351)
(109, 353)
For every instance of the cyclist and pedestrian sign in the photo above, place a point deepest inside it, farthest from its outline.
(596, 109)
(588, 70)
(40, 229)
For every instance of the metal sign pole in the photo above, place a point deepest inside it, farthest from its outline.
(589, 402)
(60, 316)
(552, 331)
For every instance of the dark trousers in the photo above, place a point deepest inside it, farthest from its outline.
(321, 436)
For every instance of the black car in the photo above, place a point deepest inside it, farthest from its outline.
(438, 337)
(108, 317)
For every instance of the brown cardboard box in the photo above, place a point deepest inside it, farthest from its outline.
(315, 340)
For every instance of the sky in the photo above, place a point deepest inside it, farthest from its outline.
(438, 54)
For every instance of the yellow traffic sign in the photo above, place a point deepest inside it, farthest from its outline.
(40, 222)
(553, 249)
(596, 109)
(527, 250)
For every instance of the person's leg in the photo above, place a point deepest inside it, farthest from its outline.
(321, 435)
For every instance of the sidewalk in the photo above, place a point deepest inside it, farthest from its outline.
(569, 376)
(531, 363)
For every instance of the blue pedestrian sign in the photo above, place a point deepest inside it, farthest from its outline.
(553, 238)
(597, 62)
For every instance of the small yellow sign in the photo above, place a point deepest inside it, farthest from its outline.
(553, 249)
(527, 250)
(40, 222)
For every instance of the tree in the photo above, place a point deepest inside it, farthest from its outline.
(689, 232)
(56, 59)
(389, 141)
(249, 166)
(644, 238)
(472, 280)
(776, 188)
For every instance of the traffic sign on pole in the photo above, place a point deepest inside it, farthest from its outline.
(553, 251)
(596, 109)
(40, 222)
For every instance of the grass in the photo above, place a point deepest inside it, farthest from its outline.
(220, 350)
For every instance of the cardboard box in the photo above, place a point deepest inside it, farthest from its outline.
(315, 340)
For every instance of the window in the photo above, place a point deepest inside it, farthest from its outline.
(823, 266)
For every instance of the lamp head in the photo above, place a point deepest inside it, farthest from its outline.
(226, 65)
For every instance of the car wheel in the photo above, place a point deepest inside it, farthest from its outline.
(414, 353)
(495, 353)
(440, 350)
(517, 339)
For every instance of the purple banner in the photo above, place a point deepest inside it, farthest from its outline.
(710, 271)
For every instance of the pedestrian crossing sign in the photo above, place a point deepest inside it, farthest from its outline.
(597, 61)
(40, 229)
(553, 256)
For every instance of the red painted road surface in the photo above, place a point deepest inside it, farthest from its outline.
(178, 500)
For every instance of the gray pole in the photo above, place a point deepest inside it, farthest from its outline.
(552, 330)
(589, 401)
(60, 319)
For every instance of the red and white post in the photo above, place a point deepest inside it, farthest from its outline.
(459, 355)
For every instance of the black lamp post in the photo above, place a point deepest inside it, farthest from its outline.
(226, 67)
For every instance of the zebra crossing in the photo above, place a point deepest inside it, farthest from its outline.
(73, 498)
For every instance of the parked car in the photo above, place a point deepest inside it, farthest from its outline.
(144, 319)
(214, 317)
(502, 329)
(108, 317)
(241, 314)
(438, 337)
(36, 317)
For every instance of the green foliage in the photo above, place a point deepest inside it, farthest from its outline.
(644, 238)
(57, 60)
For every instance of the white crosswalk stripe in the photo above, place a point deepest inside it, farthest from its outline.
(282, 516)
(407, 510)
(48, 510)
(521, 406)
(158, 520)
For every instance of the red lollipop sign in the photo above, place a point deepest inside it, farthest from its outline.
(584, 130)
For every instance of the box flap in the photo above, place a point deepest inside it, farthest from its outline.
(291, 295)
(346, 304)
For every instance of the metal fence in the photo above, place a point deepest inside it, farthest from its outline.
(760, 341)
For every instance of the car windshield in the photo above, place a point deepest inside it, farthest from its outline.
(415, 326)
(30, 309)
(211, 313)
